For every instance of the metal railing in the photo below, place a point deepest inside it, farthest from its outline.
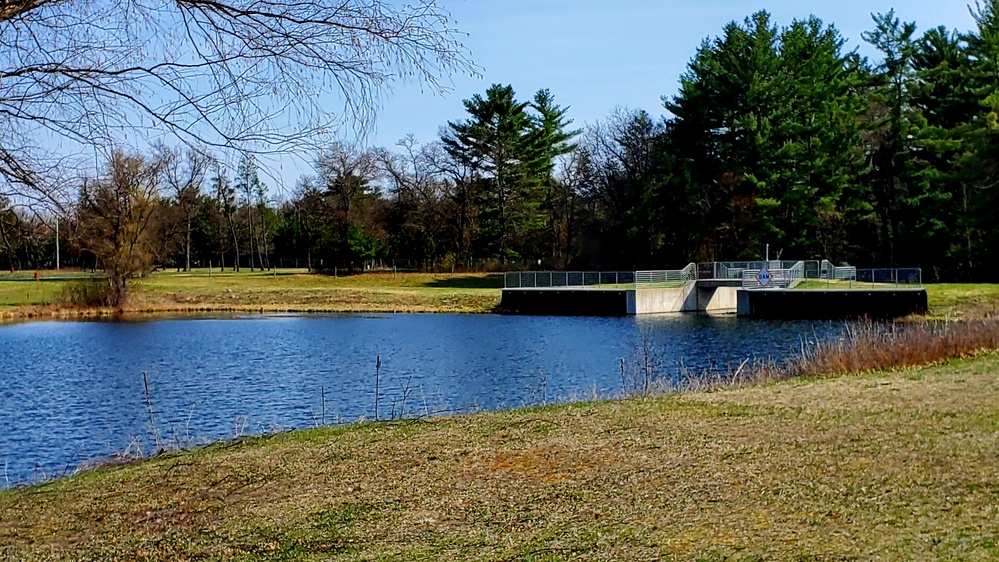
(666, 277)
(895, 277)
(599, 279)
(849, 277)
(842, 273)
(811, 269)
(567, 279)
(783, 278)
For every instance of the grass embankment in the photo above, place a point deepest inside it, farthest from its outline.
(283, 291)
(893, 466)
(299, 291)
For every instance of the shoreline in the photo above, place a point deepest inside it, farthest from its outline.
(865, 458)
(26, 314)
(298, 292)
(259, 293)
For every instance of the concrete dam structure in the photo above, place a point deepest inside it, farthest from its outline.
(756, 292)
(692, 297)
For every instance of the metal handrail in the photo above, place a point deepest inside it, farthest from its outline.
(598, 279)
(567, 279)
(666, 277)
(784, 278)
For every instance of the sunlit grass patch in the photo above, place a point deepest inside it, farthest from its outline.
(275, 291)
(28, 293)
(961, 300)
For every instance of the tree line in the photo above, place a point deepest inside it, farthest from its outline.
(778, 136)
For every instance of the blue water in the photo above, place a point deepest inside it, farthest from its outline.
(73, 392)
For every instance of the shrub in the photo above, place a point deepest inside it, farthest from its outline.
(88, 293)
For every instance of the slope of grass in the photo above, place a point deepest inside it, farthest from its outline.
(285, 291)
(967, 300)
(890, 466)
(299, 291)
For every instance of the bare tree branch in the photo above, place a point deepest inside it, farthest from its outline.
(254, 75)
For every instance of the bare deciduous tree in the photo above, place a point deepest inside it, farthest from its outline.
(184, 174)
(116, 215)
(223, 73)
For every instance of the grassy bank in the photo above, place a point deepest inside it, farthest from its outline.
(895, 466)
(298, 291)
(284, 291)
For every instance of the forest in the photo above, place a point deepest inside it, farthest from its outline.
(778, 135)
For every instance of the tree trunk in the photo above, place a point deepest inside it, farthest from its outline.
(235, 243)
(261, 241)
(249, 220)
(187, 244)
(119, 289)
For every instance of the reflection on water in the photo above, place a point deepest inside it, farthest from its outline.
(73, 391)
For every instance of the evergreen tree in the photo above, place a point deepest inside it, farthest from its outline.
(817, 141)
(553, 141)
(499, 143)
(765, 125)
(893, 129)
(981, 168)
(722, 130)
(948, 107)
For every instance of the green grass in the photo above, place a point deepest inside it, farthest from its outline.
(282, 291)
(29, 293)
(951, 300)
(893, 466)
(820, 284)
(299, 291)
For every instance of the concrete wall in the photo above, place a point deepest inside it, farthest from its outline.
(718, 299)
(600, 302)
(689, 298)
(832, 304)
(659, 301)
(567, 302)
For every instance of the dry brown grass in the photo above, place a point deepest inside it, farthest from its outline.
(870, 346)
(899, 466)
(863, 347)
(246, 292)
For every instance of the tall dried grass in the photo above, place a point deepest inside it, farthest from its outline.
(864, 346)
(873, 346)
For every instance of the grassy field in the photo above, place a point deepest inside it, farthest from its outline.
(889, 466)
(299, 291)
(963, 300)
(284, 291)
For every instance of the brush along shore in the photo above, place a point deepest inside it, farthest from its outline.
(896, 465)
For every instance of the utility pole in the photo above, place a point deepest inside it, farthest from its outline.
(57, 242)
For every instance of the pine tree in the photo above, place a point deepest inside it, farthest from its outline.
(499, 143)
(981, 169)
(945, 99)
(893, 128)
(816, 132)
(553, 139)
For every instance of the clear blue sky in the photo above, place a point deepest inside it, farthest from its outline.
(598, 55)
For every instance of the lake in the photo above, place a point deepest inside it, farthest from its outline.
(73, 392)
